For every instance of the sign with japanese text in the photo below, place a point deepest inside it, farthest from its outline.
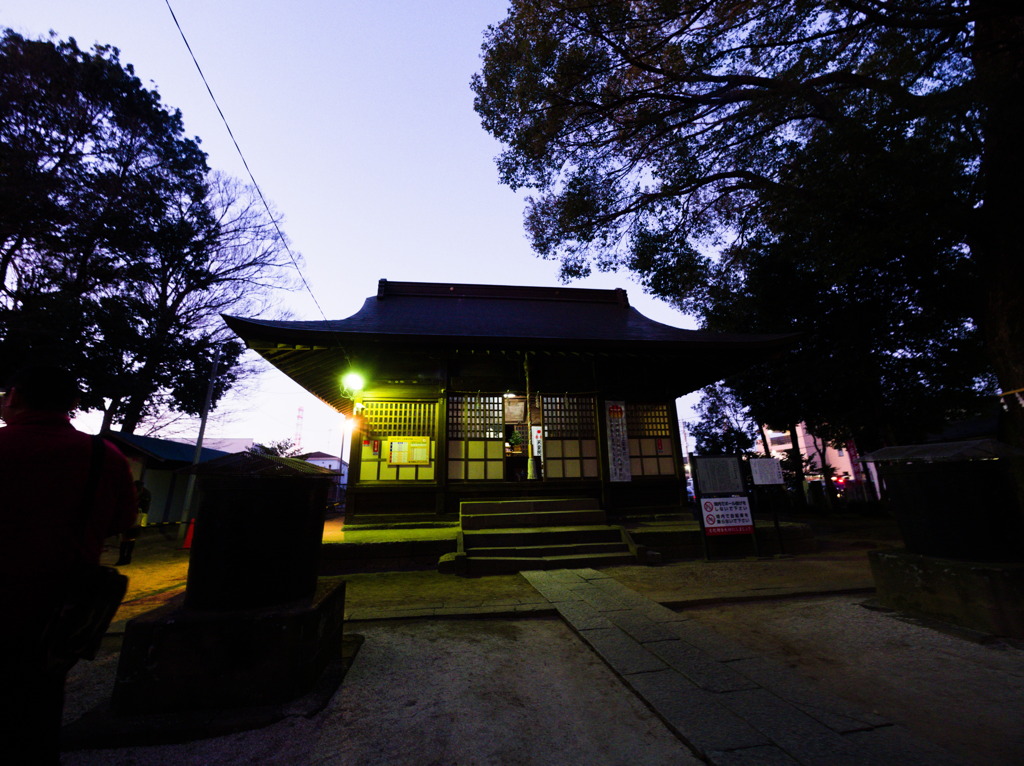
(537, 438)
(408, 450)
(718, 475)
(515, 410)
(726, 516)
(766, 470)
(618, 442)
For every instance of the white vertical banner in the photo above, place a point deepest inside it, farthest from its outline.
(618, 442)
(537, 437)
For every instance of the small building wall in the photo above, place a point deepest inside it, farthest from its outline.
(422, 458)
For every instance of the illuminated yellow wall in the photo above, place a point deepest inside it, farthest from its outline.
(476, 459)
(376, 468)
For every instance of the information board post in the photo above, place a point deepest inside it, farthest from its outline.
(697, 492)
(767, 471)
(722, 499)
(755, 510)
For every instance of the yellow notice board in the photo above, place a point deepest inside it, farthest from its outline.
(408, 450)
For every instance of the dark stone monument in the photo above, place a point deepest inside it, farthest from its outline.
(961, 518)
(255, 626)
(957, 509)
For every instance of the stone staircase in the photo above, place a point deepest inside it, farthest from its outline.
(515, 535)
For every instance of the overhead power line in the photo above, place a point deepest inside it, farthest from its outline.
(259, 191)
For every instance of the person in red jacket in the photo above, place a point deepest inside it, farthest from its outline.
(48, 526)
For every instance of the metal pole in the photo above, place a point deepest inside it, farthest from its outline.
(697, 493)
(186, 509)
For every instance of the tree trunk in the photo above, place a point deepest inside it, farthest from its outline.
(797, 466)
(108, 418)
(996, 243)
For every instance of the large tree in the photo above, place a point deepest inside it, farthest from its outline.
(882, 291)
(702, 143)
(723, 424)
(118, 247)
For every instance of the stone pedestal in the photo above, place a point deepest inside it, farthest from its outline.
(180, 659)
(255, 626)
(984, 596)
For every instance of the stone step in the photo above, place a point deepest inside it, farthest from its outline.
(540, 551)
(479, 507)
(520, 520)
(486, 565)
(517, 537)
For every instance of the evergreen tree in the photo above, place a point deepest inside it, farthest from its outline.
(118, 247)
(828, 160)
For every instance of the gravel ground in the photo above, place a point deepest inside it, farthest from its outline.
(479, 691)
(527, 691)
(961, 691)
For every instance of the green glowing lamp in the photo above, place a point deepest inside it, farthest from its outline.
(353, 381)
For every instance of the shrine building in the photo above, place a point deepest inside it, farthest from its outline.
(466, 392)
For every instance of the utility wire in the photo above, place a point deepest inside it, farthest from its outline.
(252, 178)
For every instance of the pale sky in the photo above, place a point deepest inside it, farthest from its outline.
(357, 121)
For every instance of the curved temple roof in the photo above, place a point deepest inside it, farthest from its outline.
(484, 317)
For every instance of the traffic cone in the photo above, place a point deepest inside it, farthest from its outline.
(188, 535)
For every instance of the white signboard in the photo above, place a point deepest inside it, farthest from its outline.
(726, 516)
(537, 438)
(618, 442)
(766, 470)
(718, 475)
(408, 450)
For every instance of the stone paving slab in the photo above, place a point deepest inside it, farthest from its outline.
(640, 627)
(711, 643)
(561, 592)
(506, 608)
(901, 748)
(699, 667)
(731, 706)
(609, 585)
(802, 737)
(765, 755)
(694, 713)
(592, 574)
(838, 714)
(598, 598)
(621, 652)
(583, 616)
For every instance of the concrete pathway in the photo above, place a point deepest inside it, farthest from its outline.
(732, 707)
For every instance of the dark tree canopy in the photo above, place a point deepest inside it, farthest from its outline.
(282, 448)
(785, 164)
(118, 247)
(884, 297)
(724, 426)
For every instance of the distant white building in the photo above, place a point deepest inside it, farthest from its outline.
(848, 471)
(331, 463)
